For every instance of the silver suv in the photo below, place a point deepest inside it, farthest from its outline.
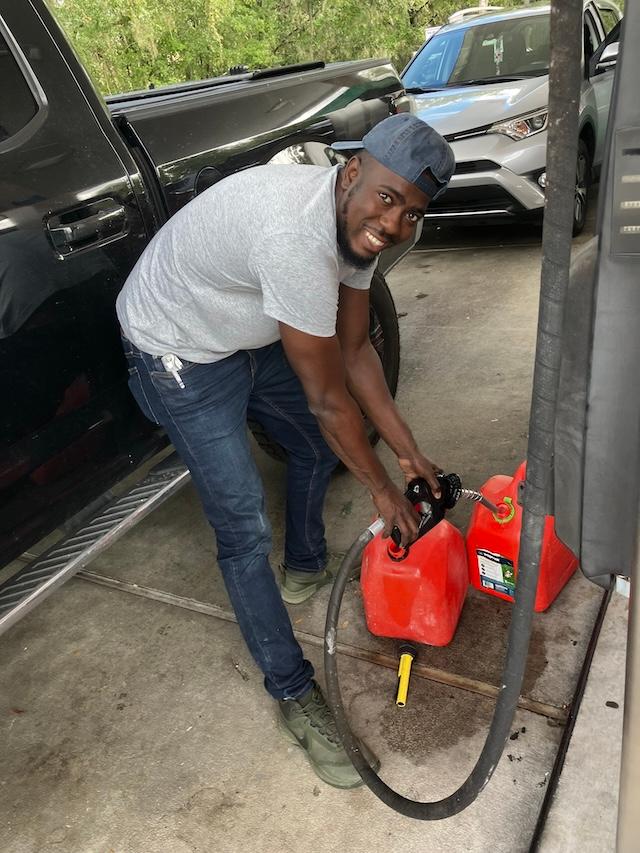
(484, 84)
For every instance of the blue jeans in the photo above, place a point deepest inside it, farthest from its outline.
(207, 424)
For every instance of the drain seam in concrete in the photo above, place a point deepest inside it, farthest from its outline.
(461, 682)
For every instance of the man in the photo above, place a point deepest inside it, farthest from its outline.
(253, 300)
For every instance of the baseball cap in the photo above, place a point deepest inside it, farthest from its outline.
(411, 148)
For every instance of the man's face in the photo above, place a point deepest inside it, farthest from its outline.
(376, 209)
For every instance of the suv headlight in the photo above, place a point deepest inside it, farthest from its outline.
(520, 128)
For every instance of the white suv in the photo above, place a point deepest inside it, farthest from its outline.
(484, 84)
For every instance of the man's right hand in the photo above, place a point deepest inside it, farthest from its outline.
(396, 511)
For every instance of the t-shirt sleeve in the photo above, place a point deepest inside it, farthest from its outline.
(360, 279)
(299, 280)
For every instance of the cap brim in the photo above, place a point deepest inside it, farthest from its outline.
(347, 146)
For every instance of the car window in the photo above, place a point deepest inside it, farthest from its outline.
(608, 17)
(591, 37)
(515, 46)
(433, 67)
(17, 103)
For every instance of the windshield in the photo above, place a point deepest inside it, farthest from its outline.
(516, 47)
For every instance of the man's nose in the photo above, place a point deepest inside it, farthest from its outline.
(390, 222)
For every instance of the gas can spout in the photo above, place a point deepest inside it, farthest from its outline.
(478, 497)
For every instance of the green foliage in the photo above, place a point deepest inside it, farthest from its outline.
(127, 44)
(130, 44)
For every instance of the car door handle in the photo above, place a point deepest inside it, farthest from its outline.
(92, 225)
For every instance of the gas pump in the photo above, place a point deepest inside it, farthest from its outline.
(597, 429)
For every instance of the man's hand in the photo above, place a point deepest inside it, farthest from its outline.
(419, 466)
(396, 511)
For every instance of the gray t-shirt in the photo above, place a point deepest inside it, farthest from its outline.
(257, 248)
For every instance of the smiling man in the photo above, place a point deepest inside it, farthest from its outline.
(253, 300)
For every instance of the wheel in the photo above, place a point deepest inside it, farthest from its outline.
(583, 182)
(385, 337)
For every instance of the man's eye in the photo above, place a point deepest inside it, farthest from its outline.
(385, 198)
(412, 217)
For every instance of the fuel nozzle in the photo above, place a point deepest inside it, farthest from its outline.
(419, 490)
(430, 509)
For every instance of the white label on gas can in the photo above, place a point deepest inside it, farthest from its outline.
(496, 572)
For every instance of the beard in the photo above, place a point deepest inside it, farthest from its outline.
(350, 256)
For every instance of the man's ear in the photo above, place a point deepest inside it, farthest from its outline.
(351, 172)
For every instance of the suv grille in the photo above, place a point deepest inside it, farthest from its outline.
(468, 166)
(474, 199)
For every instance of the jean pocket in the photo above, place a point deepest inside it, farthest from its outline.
(159, 372)
(213, 395)
(140, 395)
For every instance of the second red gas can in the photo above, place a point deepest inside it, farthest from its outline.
(493, 545)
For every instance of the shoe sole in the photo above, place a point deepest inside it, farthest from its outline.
(326, 777)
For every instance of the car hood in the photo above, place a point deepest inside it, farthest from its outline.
(455, 110)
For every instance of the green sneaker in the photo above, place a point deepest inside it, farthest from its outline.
(296, 587)
(308, 722)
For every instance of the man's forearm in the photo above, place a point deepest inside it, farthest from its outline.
(342, 425)
(343, 428)
(368, 386)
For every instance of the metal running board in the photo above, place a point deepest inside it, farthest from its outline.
(32, 584)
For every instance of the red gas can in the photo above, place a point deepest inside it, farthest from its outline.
(418, 597)
(493, 544)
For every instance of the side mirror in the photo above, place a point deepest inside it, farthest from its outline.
(607, 58)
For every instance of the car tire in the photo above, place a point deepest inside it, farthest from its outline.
(384, 334)
(583, 184)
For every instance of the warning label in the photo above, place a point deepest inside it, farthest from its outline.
(496, 572)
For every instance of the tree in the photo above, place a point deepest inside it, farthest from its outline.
(131, 44)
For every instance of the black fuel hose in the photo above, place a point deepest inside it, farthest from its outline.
(564, 87)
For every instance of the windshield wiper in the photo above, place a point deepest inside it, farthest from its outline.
(480, 81)
(419, 90)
